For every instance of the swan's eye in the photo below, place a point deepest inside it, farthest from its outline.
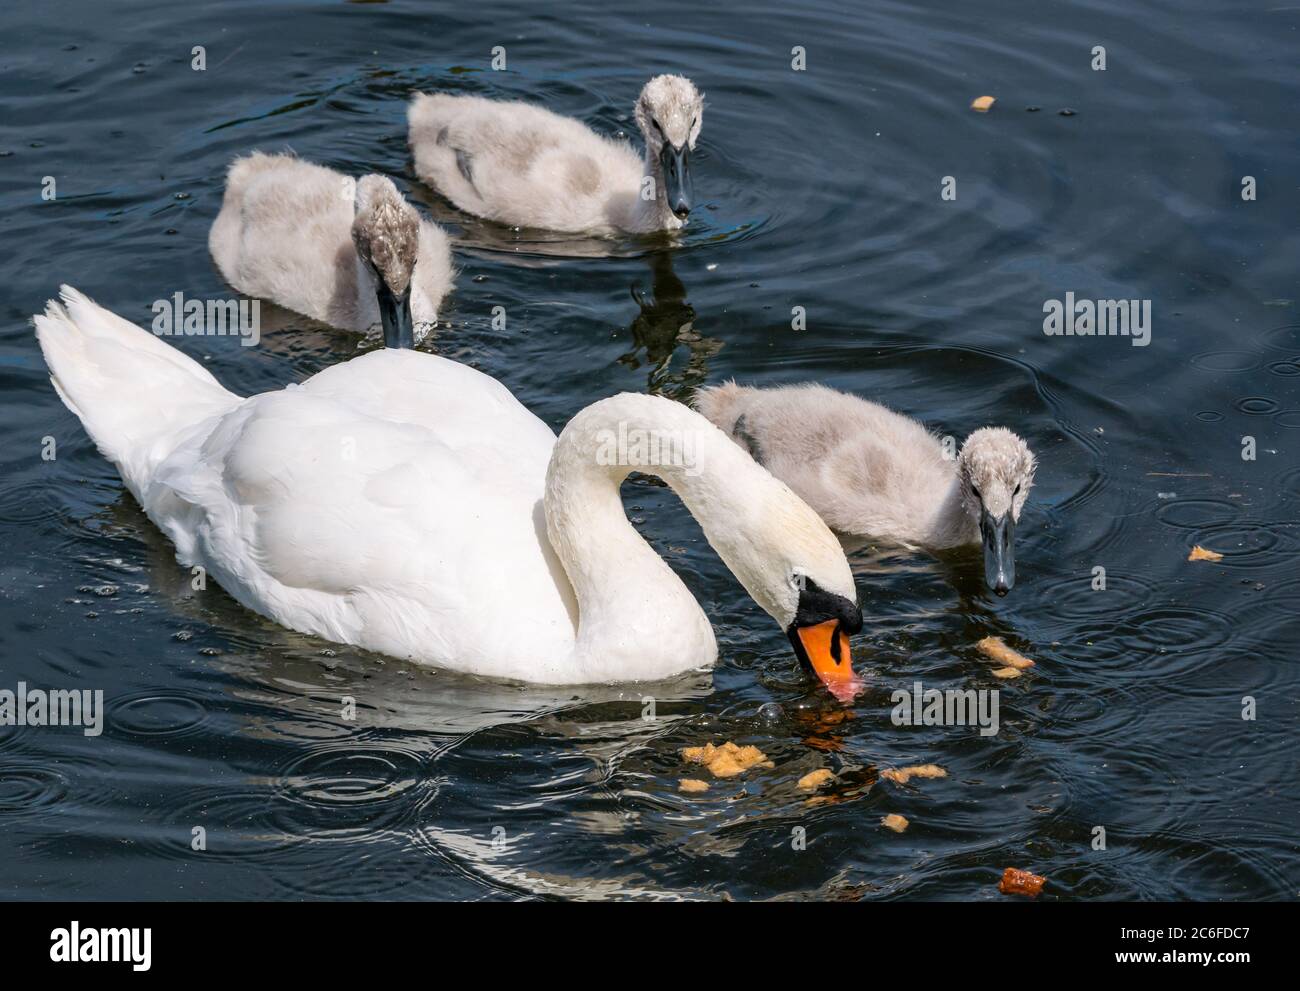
(656, 124)
(1017, 492)
(977, 492)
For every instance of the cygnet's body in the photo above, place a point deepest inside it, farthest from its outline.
(290, 232)
(525, 166)
(871, 472)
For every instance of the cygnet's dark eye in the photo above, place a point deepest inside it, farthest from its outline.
(656, 124)
(1017, 492)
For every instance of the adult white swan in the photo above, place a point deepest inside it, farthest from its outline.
(523, 165)
(351, 253)
(410, 505)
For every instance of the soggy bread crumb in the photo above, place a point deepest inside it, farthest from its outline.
(815, 779)
(1200, 553)
(728, 760)
(981, 104)
(692, 786)
(904, 774)
(895, 822)
(1017, 882)
(996, 648)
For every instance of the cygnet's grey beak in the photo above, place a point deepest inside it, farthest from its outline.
(999, 533)
(395, 314)
(676, 164)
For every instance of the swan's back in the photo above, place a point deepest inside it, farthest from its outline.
(865, 468)
(392, 501)
(521, 164)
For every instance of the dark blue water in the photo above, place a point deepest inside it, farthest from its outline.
(819, 189)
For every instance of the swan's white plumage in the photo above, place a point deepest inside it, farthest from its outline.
(92, 352)
(425, 545)
(410, 505)
(284, 233)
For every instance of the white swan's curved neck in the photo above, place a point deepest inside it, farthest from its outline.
(636, 617)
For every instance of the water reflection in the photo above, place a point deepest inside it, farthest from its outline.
(664, 324)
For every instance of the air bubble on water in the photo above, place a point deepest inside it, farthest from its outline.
(771, 712)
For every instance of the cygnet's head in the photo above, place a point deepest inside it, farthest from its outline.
(670, 112)
(386, 233)
(997, 472)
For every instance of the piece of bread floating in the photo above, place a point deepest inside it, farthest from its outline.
(996, 649)
(902, 775)
(981, 104)
(895, 822)
(1200, 553)
(727, 760)
(692, 786)
(815, 779)
(1018, 882)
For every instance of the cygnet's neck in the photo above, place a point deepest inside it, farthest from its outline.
(951, 525)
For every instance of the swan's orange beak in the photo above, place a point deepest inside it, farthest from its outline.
(824, 647)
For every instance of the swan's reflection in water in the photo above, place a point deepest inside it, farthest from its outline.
(664, 325)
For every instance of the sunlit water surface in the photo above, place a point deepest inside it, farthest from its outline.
(819, 189)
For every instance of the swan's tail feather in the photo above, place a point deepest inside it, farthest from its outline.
(135, 395)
